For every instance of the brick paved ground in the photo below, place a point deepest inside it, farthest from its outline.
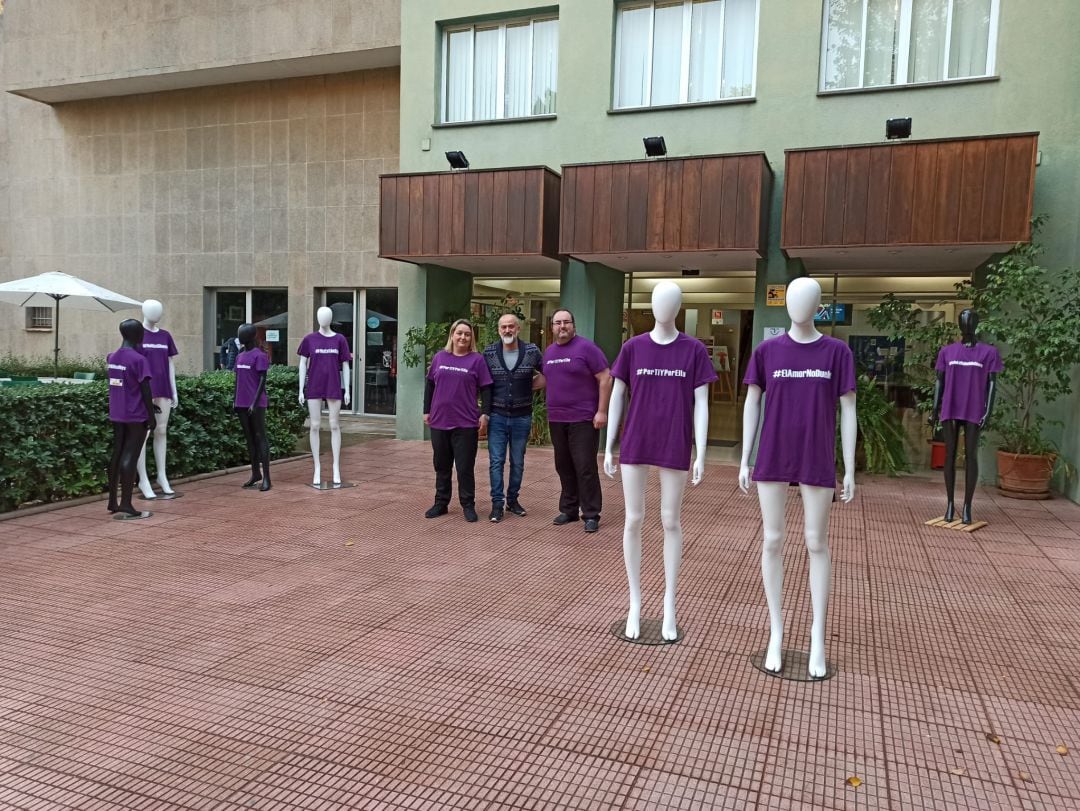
(336, 650)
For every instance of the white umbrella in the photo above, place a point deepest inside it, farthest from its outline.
(53, 287)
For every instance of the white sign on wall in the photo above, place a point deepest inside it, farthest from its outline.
(772, 332)
(273, 336)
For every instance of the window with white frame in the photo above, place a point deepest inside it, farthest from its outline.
(684, 52)
(877, 43)
(39, 318)
(502, 70)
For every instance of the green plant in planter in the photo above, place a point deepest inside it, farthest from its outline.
(880, 446)
(1031, 313)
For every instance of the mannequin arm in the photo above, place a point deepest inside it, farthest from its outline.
(701, 431)
(258, 393)
(172, 384)
(604, 378)
(614, 418)
(849, 429)
(935, 409)
(303, 378)
(148, 401)
(991, 390)
(751, 413)
(346, 377)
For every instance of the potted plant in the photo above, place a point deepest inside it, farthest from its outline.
(1032, 313)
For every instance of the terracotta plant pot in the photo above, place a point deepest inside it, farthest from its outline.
(1022, 475)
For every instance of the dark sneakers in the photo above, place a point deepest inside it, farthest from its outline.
(592, 524)
(496, 514)
(563, 518)
(470, 514)
(436, 511)
(516, 508)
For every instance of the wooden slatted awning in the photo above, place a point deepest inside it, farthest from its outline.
(485, 221)
(914, 206)
(709, 213)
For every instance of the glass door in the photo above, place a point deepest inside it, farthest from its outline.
(380, 350)
(343, 304)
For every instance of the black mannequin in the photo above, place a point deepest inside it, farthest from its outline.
(128, 437)
(969, 323)
(253, 421)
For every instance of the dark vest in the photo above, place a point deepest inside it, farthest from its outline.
(511, 392)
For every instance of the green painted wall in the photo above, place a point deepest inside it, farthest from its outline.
(1037, 61)
(595, 294)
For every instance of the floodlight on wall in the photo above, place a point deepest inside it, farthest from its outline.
(457, 160)
(897, 128)
(655, 146)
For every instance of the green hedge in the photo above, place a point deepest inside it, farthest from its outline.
(55, 440)
(42, 366)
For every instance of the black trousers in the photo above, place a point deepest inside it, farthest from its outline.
(455, 448)
(576, 445)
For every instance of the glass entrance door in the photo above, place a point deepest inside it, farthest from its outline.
(374, 345)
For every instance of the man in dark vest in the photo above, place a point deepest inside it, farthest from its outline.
(515, 370)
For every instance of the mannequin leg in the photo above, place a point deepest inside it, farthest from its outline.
(672, 488)
(314, 408)
(971, 469)
(160, 433)
(114, 464)
(771, 497)
(145, 487)
(134, 437)
(949, 429)
(262, 445)
(334, 407)
(633, 484)
(816, 504)
(249, 440)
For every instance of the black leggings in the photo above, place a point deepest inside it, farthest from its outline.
(254, 425)
(951, 430)
(128, 439)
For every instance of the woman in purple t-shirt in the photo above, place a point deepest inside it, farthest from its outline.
(250, 404)
(457, 378)
(131, 411)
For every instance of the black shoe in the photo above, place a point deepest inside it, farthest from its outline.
(436, 511)
(592, 524)
(516, 508)
(470, 514)
(496, 514)
(563, 518)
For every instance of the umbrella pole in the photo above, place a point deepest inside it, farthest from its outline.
(56, 337)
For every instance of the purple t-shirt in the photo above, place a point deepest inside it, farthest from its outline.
(659, 428)
(967, 370)
(458, 380)
(157, 348)
(127, 369)
(325, 356)
(249, 365)
(573, 392)
(803, 384)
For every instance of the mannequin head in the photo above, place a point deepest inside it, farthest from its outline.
(324, 316)
(131, 331)
(969, 323)
(666, 302)
(246, 335)
(803, 300)
(152, 311)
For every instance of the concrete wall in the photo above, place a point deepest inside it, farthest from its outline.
(163, 195)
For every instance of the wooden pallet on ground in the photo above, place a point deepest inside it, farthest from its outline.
(957, 524)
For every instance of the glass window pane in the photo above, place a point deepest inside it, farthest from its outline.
(882, 31)
(843, 44)
(518, 66)
(631, 80)
(230, 311)
(270, 315)
(667, 54)
(970, 38)
(380, 352)
(926, 57)
(705, 33)
(739, 23)
(545, 66)
(486, 74)
(340, 303)
(459, 71)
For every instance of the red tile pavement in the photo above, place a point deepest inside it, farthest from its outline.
(303, 649)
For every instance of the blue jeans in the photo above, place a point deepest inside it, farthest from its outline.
(501, 431)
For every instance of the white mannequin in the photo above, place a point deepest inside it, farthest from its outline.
(803, 300)
(152, 312)
(666, 303)
(325, 316)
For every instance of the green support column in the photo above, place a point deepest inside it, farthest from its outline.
(426, 294)
(774, 269)
(595, 293)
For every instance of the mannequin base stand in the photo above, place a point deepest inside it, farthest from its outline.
(332, 486)
(957, 524)
(160, 497)
(650, 632)
(136, 517)
(795, 666)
